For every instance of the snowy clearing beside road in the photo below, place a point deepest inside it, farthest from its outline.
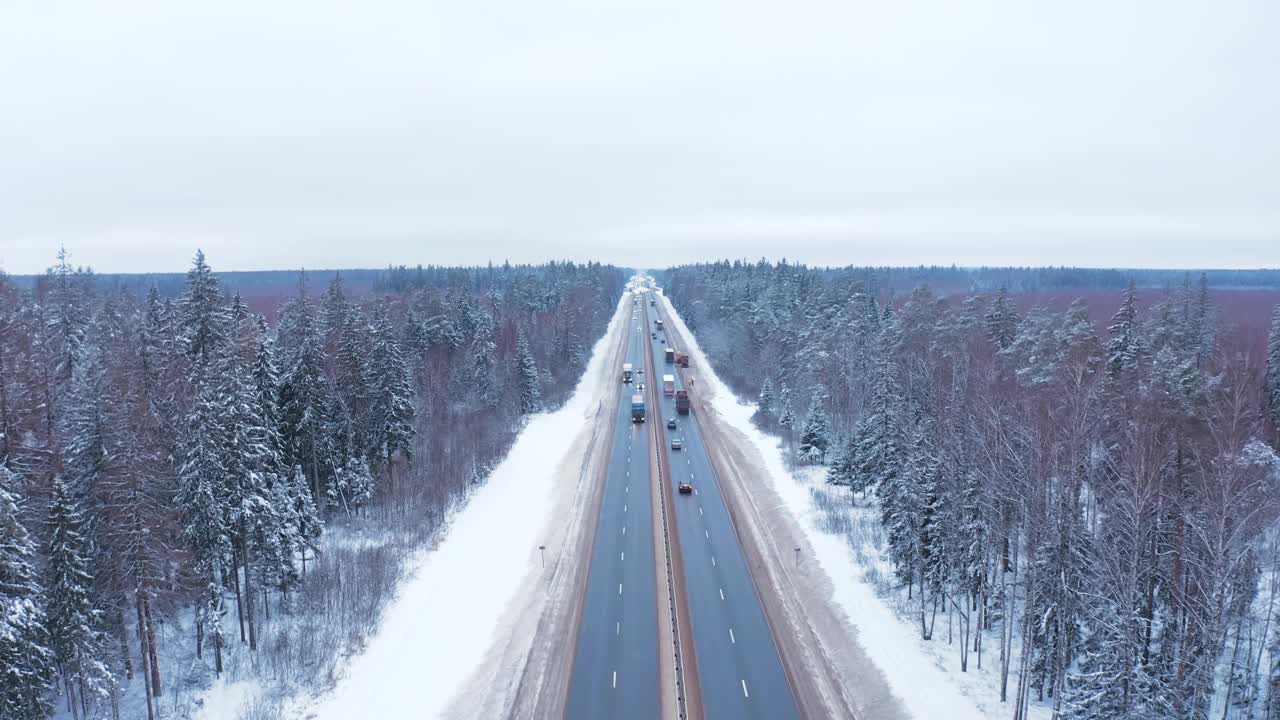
(450, 610)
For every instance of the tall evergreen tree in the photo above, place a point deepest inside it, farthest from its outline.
(815, 438)
(203, 317)
(202, 495)
(529, 381)
(26, 660)
(764, 401)
(392, 400)
(74, 623)
(1002, 320)
(1271, 381)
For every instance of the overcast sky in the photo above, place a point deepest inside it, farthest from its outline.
(356, 134)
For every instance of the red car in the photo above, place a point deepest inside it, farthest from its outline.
(686, 488)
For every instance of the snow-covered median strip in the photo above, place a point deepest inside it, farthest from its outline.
(439, 627)
(926, 690)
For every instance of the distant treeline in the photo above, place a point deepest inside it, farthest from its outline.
(396, 278)
(953, 279)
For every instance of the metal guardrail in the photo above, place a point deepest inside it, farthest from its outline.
(666, 544)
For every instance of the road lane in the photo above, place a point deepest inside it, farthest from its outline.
(615, 672)
(739, 670)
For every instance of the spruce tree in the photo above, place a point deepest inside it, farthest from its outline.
(1271, 381)
(527, 372)
(74, 623)
(786, 416)
(26, 659)
(1123, 347)
(1002, 320)
(204, 319)
(765, 401)
(312, 425)
(391, 401)
(816, 436)
(202, 495)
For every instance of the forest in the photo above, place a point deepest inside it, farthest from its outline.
(171, 453)
(1087, 498)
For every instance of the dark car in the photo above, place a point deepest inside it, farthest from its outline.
(686, 488)
(671, 424)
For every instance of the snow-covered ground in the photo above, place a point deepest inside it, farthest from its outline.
(924, 675)
(455, 604)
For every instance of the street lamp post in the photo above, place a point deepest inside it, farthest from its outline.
(543, 550)
(797, 557)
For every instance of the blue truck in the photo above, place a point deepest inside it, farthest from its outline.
(637, 408)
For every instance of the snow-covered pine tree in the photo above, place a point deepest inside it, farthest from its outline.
(67, 313)
(392, 402)
(1271, 381)
(312, 426)
(305, 525)
(1123, 347)
(26, 660)
(202, 495)
(786, 416)
(353, 378)
(1002, 320)
(74, 624)
(815, 438)
(841, 471)
(203, 316)
(353, 485)
(881, 437)
(527, 372)
(764, 403)
(251, 463)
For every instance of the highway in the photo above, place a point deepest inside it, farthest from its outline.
(615, 670)
(739, 670)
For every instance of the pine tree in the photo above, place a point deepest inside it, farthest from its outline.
(841, 472)
(1002, 320)
(1123, 347)
(527, 372)
(204, 320)
(392, 406)
(312, 425)
(816, 436)
(353, 378)
(202, 496)
(305, 525)
(786, 416)
(74, 623)
(26, 660)
(353, 486)
(1271, 381)
(765, 402)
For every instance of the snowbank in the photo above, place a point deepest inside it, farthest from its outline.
(444, 618)
(927, 689)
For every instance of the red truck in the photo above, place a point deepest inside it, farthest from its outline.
(682, 402)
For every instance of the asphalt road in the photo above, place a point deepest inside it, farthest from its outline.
(739, 670)
(615, 671)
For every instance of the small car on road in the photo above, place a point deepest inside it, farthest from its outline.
(686, 488)
(671, 424)
(677, 444)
